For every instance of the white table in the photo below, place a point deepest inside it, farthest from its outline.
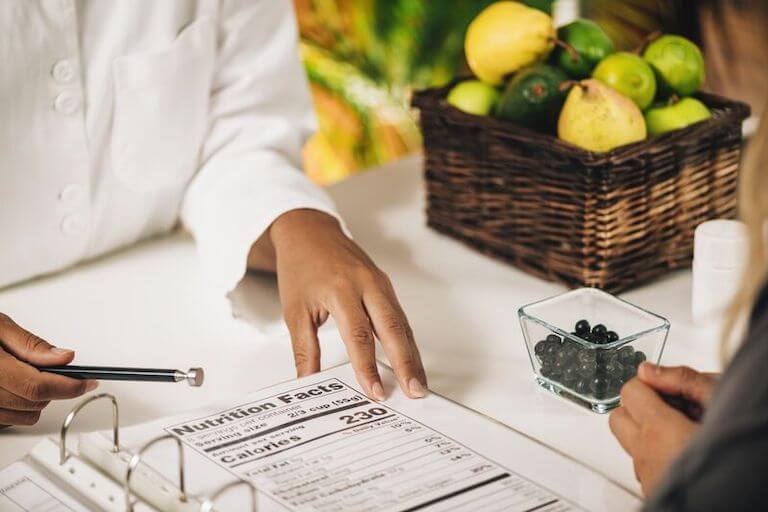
(149, 306)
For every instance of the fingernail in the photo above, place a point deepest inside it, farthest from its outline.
(92, 384)
(416, 389)
(378, 392)
(646, 367)
(61, 351)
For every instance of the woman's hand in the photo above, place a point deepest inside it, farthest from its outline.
(24, 390)
(651, 431)
(322, 272)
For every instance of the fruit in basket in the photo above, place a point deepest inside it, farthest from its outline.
(667, 117)
(533, 98)
(474, 97)
(678, 64)
(630, 75)
(506, 37)
(590, 43)
(597, 118)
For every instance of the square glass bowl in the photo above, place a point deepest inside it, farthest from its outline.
(590, 368)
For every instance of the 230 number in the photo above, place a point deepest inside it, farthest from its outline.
(359, 416)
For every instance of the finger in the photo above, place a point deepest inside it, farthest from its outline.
(29, 347)
(14, 402)
(306, 346)
(624, 429)
(679, 381)
(640, 401)
(22, 418)
(391, 327)
(28, 382)
(357, 333)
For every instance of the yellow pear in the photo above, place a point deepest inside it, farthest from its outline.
(597, 118)
(505, 37)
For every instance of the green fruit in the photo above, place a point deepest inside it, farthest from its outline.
(591, 43)
(597, 118)
(663, 118)
(630, 75)
(533, 97)
(542, 5)
(474, 97)
(678, 64)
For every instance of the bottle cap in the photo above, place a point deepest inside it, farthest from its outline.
(721, 244)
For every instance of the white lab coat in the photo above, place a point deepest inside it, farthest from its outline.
(120, 117)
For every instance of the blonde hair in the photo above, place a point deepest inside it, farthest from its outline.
(753, 210)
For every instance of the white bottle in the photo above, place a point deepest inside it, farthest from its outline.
(720, 251)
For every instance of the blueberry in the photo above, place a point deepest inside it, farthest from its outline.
(626, 354)
(553, 338)
(567, 353)
(615, 370)
(606, 356)
(586, 370)
(614, 387)
(599, 386)
(581, 386)
(612, 336)
(629, 372)
(550, 349)
(599, 338)
(555, 373)
(586, 355)
(599, 329)
(582, 327)
(569, 375)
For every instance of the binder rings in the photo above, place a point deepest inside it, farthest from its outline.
(103, 475)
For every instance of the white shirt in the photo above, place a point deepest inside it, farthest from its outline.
(119, 117)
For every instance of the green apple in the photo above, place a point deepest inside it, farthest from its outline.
(663, 118)
(590, 43)
(474, 97)
(630, 75)
(678, 64)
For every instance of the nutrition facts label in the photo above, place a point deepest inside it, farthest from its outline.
(327, 447)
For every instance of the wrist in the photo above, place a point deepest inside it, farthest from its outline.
(302, 223)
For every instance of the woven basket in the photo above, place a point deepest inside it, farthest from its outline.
(608, 220)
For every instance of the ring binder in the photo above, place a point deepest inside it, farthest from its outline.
(63, 454)
(136, 460)
(208, 503)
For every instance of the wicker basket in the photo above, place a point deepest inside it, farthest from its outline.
(611, 220)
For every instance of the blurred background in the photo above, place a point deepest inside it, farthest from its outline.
(365, 57)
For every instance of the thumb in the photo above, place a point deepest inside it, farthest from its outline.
(677, 381)
(29, 347)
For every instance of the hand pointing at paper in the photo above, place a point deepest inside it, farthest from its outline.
(343, 282)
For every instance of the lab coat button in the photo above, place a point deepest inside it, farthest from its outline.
(66, 103)
(72, 193)
(63, 71)
(73, 224)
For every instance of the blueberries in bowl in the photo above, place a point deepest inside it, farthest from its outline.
(595, 372)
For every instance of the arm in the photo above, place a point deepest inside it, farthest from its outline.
(251, 206)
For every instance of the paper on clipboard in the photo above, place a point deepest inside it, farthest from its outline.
(320, 444)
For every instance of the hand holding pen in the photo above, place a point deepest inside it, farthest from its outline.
(24, 390)
(33, 372)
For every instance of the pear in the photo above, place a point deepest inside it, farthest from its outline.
(506, 37)
(597, 118)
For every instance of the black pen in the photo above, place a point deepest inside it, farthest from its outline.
(193, 376)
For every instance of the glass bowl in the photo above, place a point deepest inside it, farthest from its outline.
(589, 367)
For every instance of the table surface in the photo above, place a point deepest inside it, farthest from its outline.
(150, 306)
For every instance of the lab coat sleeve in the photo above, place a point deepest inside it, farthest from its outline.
(260, 116)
